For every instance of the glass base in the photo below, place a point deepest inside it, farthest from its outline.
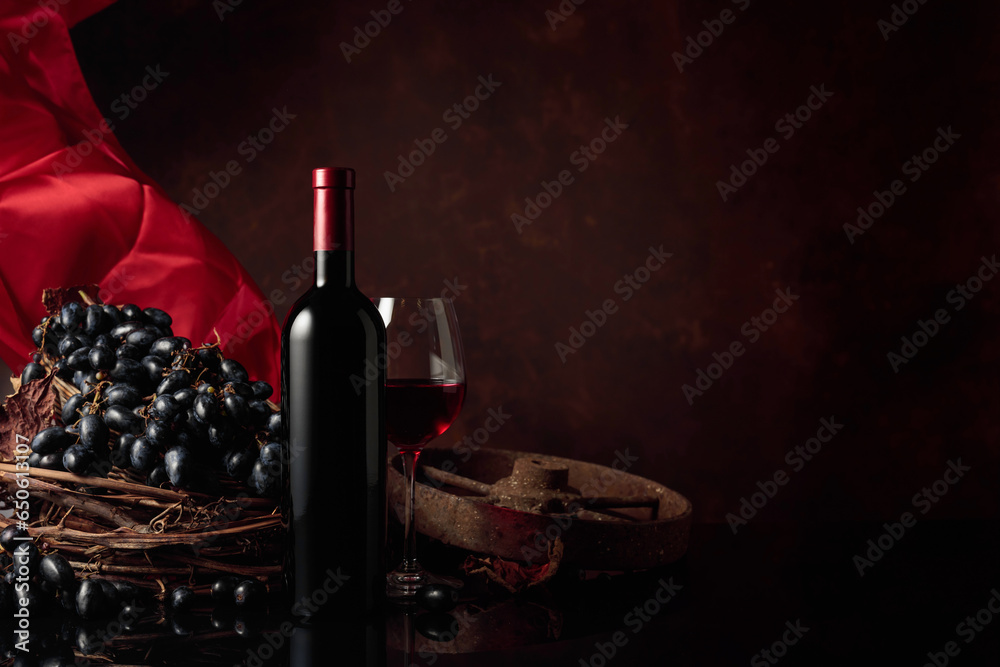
(402, 586)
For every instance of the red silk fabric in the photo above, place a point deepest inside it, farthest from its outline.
(75, 209)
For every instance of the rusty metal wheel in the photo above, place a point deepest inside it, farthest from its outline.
(514, 504)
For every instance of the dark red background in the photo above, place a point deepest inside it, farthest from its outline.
(656, 184)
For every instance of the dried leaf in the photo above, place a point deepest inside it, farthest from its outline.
(513, 576)
(26, 412)
(55, 299)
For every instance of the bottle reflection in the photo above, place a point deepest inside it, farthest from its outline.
(321, 643)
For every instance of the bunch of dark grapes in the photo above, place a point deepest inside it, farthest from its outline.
(149, 402)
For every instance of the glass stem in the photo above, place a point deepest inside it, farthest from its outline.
(410, 563)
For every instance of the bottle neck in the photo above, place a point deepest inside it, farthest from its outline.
(333, 235)
(335, 268)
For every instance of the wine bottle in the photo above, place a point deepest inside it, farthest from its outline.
(333, 404)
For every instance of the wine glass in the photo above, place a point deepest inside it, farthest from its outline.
(424, 390)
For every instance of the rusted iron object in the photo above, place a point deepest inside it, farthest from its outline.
(512, 504)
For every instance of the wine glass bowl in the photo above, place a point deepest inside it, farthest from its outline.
(424, 392)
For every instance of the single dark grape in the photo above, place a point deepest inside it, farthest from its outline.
(158, 317)
(272, 454)
(69, 345)
(51, 439)
(51, 461)
(158, 476)
(79, 360)
(437, 597)
(262, 481)
(177, 380)
(143, 455)
(205, 407)
(57, 570)
(124, 420)
(96, 321)
(220, 434)
(127, 351)
(70, 407)
(239, 462)
(239, 388)
(164, 408)
(121, 454)
(142, 338)
(105, 340)
(11, 536)
(233, 371)
(181, 599)
(275, 426)
(262, 390)
(77, 459)
(114, 315)
(154, 366)
(168, 345)
(159, 434)
(249, 593)
(236, 407)
(32, 371)
(91, 600)
(179, 463)
(185, 397)
(71, 316)
(123, 394)
(210, 357)
(102, 358)
(129, 371)
(132, 312)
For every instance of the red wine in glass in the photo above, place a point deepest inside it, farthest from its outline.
(417, 411)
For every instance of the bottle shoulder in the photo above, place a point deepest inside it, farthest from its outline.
(328, 306)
